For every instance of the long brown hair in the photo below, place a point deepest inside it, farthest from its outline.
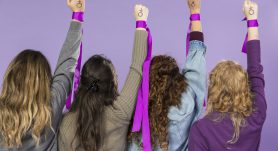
(98, 88)
(25, 98)
(229, 92)
(166, 87)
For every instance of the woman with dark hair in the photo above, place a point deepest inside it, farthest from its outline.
(31, 101)
(176, 99)
(236, 108)
(100, 117)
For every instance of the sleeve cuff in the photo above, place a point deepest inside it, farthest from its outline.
(196, 35)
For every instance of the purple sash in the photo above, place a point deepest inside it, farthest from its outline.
(141, 116)
(250, 23)
(77, 16)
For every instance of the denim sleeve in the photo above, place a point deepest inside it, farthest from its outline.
(195, 73)
(181, 118)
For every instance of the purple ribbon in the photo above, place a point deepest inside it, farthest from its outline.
(77, 16)
(76, 80)
(141, 115)
(193, 17)
(250, 23)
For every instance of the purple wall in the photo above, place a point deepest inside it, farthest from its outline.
(109, 30)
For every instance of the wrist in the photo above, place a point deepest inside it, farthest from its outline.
(252, 18)
(139, 19)
(141, 24)
(195, 11)
(144, 29)
(252, 23)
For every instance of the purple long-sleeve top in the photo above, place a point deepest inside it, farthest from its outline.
(208, 135)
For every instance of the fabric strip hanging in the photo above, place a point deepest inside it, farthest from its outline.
(141, 116)
(250, 23)
(77, 16)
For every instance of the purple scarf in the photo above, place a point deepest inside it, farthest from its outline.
(141, 116)
(77, 16)
(250, 23)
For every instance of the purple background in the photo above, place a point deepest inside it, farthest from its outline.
(109, 30)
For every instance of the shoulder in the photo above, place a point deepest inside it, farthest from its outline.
(68, 124)
(202, 124)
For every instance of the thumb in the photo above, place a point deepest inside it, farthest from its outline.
(68, 2)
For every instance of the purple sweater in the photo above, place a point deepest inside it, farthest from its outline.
(206, 134)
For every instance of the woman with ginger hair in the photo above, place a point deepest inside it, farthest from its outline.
(236, 108)
(32, 101)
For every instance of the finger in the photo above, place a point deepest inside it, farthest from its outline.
(248, 2)
(68, 2)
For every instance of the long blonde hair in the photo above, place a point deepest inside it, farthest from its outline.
(229, 92)
(25, 98)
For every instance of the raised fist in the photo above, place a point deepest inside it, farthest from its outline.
(141, 12)
(194, 6)
(76, 5)
(250, 10)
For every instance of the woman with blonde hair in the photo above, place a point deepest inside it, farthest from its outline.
(32, 101)
(236, 108)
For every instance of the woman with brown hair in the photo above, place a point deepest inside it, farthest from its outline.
(176, 98)
(236, 108)
(100, 116)
(31, 101)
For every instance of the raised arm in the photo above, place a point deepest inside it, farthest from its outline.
(195, 65)
(254, 66)
(124, 106)
(63, 75)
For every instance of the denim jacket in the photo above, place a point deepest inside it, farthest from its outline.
(192, 100)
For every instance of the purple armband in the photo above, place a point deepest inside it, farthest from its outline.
(250, 23)
(193, 17)
(78, 16)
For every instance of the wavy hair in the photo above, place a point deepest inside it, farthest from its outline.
(229, 92)
(25, 98)
(166, 87)
(98, 88)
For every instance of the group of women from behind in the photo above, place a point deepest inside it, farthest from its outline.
(100, 118)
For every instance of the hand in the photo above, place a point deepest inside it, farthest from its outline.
(194, 6)
(76, 5)
(141, 12)
(250, 10)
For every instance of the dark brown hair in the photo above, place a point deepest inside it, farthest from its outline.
(166, 87)
(98, 88)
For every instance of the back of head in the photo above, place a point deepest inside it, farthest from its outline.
(98, 88)
(25, 98)
(166, 87)
(229, 92)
